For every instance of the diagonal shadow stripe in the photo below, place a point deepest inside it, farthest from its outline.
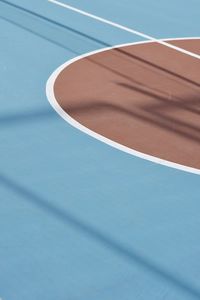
(103, 239)
(59, 43)
(51, 21)
(26, 117)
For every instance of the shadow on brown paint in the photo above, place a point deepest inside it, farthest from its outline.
(178, 127)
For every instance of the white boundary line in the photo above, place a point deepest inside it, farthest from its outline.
(52, 100)
(133, 31)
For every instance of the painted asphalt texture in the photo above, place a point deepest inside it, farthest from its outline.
(79, 219)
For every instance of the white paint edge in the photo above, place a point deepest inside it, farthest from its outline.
(124, 28)
(52, 100)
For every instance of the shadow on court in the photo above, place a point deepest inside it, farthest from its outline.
(100, 237)
(42, 27)
(146, 115)
(27, 117)
(157, 114)
(46, 28)
(69, 38)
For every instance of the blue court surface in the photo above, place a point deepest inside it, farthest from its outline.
(79, 219)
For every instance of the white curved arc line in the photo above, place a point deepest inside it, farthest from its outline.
(52, 100)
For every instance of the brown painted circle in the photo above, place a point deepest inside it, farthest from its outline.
(144, 96)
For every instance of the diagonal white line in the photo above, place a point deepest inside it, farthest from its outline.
(133, 31)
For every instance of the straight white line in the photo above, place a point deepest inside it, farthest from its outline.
(146, 36)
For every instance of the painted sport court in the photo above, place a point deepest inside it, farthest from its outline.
(100, 163)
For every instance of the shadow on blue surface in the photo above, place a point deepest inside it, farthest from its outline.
(44, 30)
(27, 117)
(42, 26)
(100, 237)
